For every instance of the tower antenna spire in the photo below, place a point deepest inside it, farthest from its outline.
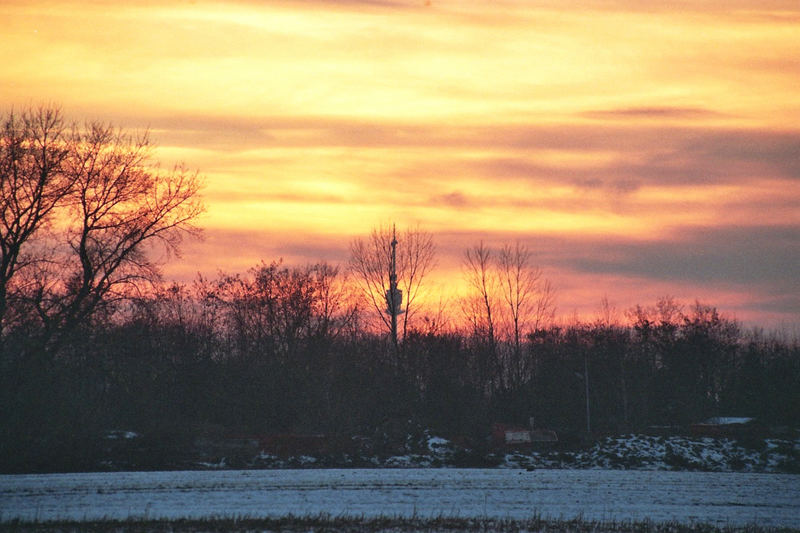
(394, 296)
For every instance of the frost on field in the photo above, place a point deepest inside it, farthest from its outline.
(660, 496)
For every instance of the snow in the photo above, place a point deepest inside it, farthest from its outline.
(718, 498)
(727, 420)
(624, 452)
(117, 434)
(641, 452)
(435, 443)
(625, 477)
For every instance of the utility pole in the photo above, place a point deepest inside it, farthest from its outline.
(586, 384)
(585, 378)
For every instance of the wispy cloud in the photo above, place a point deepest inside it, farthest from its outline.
(658, 113)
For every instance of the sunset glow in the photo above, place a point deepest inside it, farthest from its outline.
(638, 151)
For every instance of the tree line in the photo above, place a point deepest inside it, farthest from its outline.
(284, 349)
(92, 338)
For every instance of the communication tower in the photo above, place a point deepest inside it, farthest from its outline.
(394, 296)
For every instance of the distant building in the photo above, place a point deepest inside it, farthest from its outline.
(508, 436)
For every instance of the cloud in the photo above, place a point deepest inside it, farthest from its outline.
(655, 153)
(782, 303)
(756, 151)
(761, 255)
(343, 4)
(743, 269)
(236, 250)
(234, 196)
(618, 138)
(453, 199)
(618, 161)
(781, 8)
(657, 113)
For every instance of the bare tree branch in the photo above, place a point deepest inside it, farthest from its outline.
(370, 264)
(32, 185)
(108, 206)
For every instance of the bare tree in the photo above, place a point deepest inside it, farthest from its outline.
(120, 204)
(108, 203)
(371, 264)
(277, 312)
(416, 259)
(480, 306)
(334, 308)
(33, 148)
(508, 297)
(528, 298)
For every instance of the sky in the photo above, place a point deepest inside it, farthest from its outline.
(639, 149)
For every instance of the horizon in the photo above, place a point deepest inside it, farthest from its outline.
(639, 152)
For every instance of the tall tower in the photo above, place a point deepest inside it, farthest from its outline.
(394, 296)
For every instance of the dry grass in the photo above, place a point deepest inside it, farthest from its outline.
(387, 524)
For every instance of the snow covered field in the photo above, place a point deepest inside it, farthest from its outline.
(713, 497)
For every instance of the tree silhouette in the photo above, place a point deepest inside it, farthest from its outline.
(33, 148)
(103, 203)
(528, 299)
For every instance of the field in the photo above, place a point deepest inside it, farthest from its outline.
(465, 498)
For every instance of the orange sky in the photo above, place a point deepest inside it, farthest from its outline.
(639, 151)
